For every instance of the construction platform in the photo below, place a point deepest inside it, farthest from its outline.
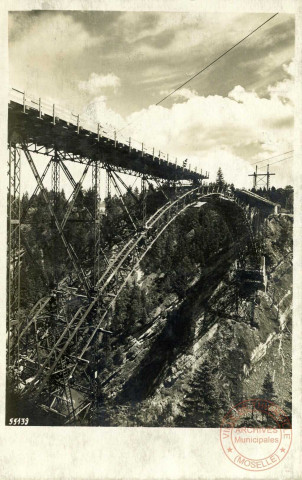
(47, 127)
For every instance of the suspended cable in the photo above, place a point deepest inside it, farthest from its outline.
(216, 59)
(278, 161)
(269, 158)
(209, 65)
(287, 158)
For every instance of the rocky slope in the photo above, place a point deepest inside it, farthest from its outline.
(241, 335)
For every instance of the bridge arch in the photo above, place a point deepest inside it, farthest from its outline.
(115, 277)
(34, 129)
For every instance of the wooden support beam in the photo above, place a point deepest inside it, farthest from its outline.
(80, 273)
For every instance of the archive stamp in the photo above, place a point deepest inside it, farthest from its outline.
(256, 435)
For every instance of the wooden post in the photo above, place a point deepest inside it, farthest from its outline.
(129, 144)
(167, 157)
(153, 154)
(114, 138)
(40, 113)
(54, 114)
(78, 124)
(98, 132)
(142, 149)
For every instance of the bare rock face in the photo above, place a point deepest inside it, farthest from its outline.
(214, 342)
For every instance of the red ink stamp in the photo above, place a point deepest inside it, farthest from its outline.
(256, 435)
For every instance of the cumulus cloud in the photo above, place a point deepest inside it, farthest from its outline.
(96, 82)
(211, 130)
(190, 27)
(97, 111)
(290, 68)
(225, 123)
(230, 131)
(284, 90)
(41, 60)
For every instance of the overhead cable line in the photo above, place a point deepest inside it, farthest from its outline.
(269, 158)
(278, 161)
(282, 160)
(216, 59)
(209, 65)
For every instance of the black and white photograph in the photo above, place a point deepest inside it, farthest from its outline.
(150, 211)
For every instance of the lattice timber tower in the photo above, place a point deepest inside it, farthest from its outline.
(52, 349)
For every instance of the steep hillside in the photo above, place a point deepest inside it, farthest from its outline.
(186, 339)
(197, 355)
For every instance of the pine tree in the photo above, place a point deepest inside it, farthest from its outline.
(268, 392)
(283, 236)
(134, 311)
(200, 403)
(220, 179)
(289, 198)
(120, 320)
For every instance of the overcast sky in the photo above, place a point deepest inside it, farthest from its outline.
(116, 66)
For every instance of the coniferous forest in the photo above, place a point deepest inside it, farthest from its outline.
(183, 256)
(177, 255)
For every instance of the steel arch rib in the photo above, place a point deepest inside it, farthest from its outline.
(112, 268)
(131, 273)
(110, 273)
(93, 303)
(153, 219)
